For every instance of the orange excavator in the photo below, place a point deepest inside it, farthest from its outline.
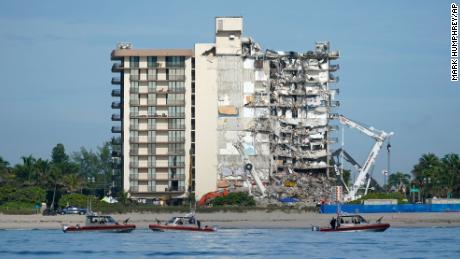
(211, 195)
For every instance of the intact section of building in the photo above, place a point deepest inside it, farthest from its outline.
(154, 111)
(247, 116)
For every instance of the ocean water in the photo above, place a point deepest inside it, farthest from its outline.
(238, 243)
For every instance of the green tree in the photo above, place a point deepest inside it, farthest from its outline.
(42, 169)
(399, 181)
(55, 182)
(427, 172)
(73, 182)
(450, 177)
(5, 172)
(58, 155)
(24, 172)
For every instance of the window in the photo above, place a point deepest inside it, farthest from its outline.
(176, 160)
(134, 99)
(134, 74)
(176, 111)
(175, 74)
(176, 136)
(151, 99)
(176, 124)
(134, 111)
(176, 148)
(152, 74)
(176, 86)
(134, 124)
(175, 61)
(134, 87)
(134, 61)
(151, 124)
(151, 149)
(151, 135)
(134, 136)
(151, 110)
(176, 99)
(152, 87)
(151, 61)
(152, 162)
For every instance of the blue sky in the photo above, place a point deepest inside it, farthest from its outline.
(394, 75)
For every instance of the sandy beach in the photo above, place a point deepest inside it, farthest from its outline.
(251, 219)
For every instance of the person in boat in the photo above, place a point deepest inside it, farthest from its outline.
(333, 222)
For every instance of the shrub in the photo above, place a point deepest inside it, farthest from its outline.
(32, 195)
(14, 207)
(381, 195)
(78, 200)
(234, 198)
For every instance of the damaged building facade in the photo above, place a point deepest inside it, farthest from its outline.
(255, 120)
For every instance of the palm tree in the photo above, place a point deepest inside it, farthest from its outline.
(450, 177)
(42, 168)
(400, 181)
(25, 170)
(54, 181)
(73, 182)
(5, 171)
(427, 172)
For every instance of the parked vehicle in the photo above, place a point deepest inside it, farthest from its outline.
(72, 210)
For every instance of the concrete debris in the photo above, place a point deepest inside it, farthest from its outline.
(285, 102)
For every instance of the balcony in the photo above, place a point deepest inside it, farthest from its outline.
(175, 189)
(116, 105)
(134, 77)
(116, 165)
(116, 153)
(175, 77)
(117, 67)
(116, 117)
(178, 177)
(152, 77)
(116, 81)
(175, 65)
(334, 67)
(116, 141)
(116, 92)
(116, 129)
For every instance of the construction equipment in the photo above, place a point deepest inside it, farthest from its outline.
(379, 136)
(248, 167)
(211, 195)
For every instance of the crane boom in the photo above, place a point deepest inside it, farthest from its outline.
(248, 166)
(379, 136)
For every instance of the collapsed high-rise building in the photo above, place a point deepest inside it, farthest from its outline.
(254, 116)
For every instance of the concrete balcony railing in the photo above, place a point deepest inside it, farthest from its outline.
(134, 77)
(116, 81)
(116, 92)
(175, 77)
(116, 154)
(116, 105)
(117, 67)
(116, 117)
(116, 141)
(116, 129)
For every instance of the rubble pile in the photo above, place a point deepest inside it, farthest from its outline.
(308, 188)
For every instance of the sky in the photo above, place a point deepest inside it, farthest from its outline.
(394, 66)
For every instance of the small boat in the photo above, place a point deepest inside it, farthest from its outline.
(186, 223)
(101, 224)
(353, 223)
